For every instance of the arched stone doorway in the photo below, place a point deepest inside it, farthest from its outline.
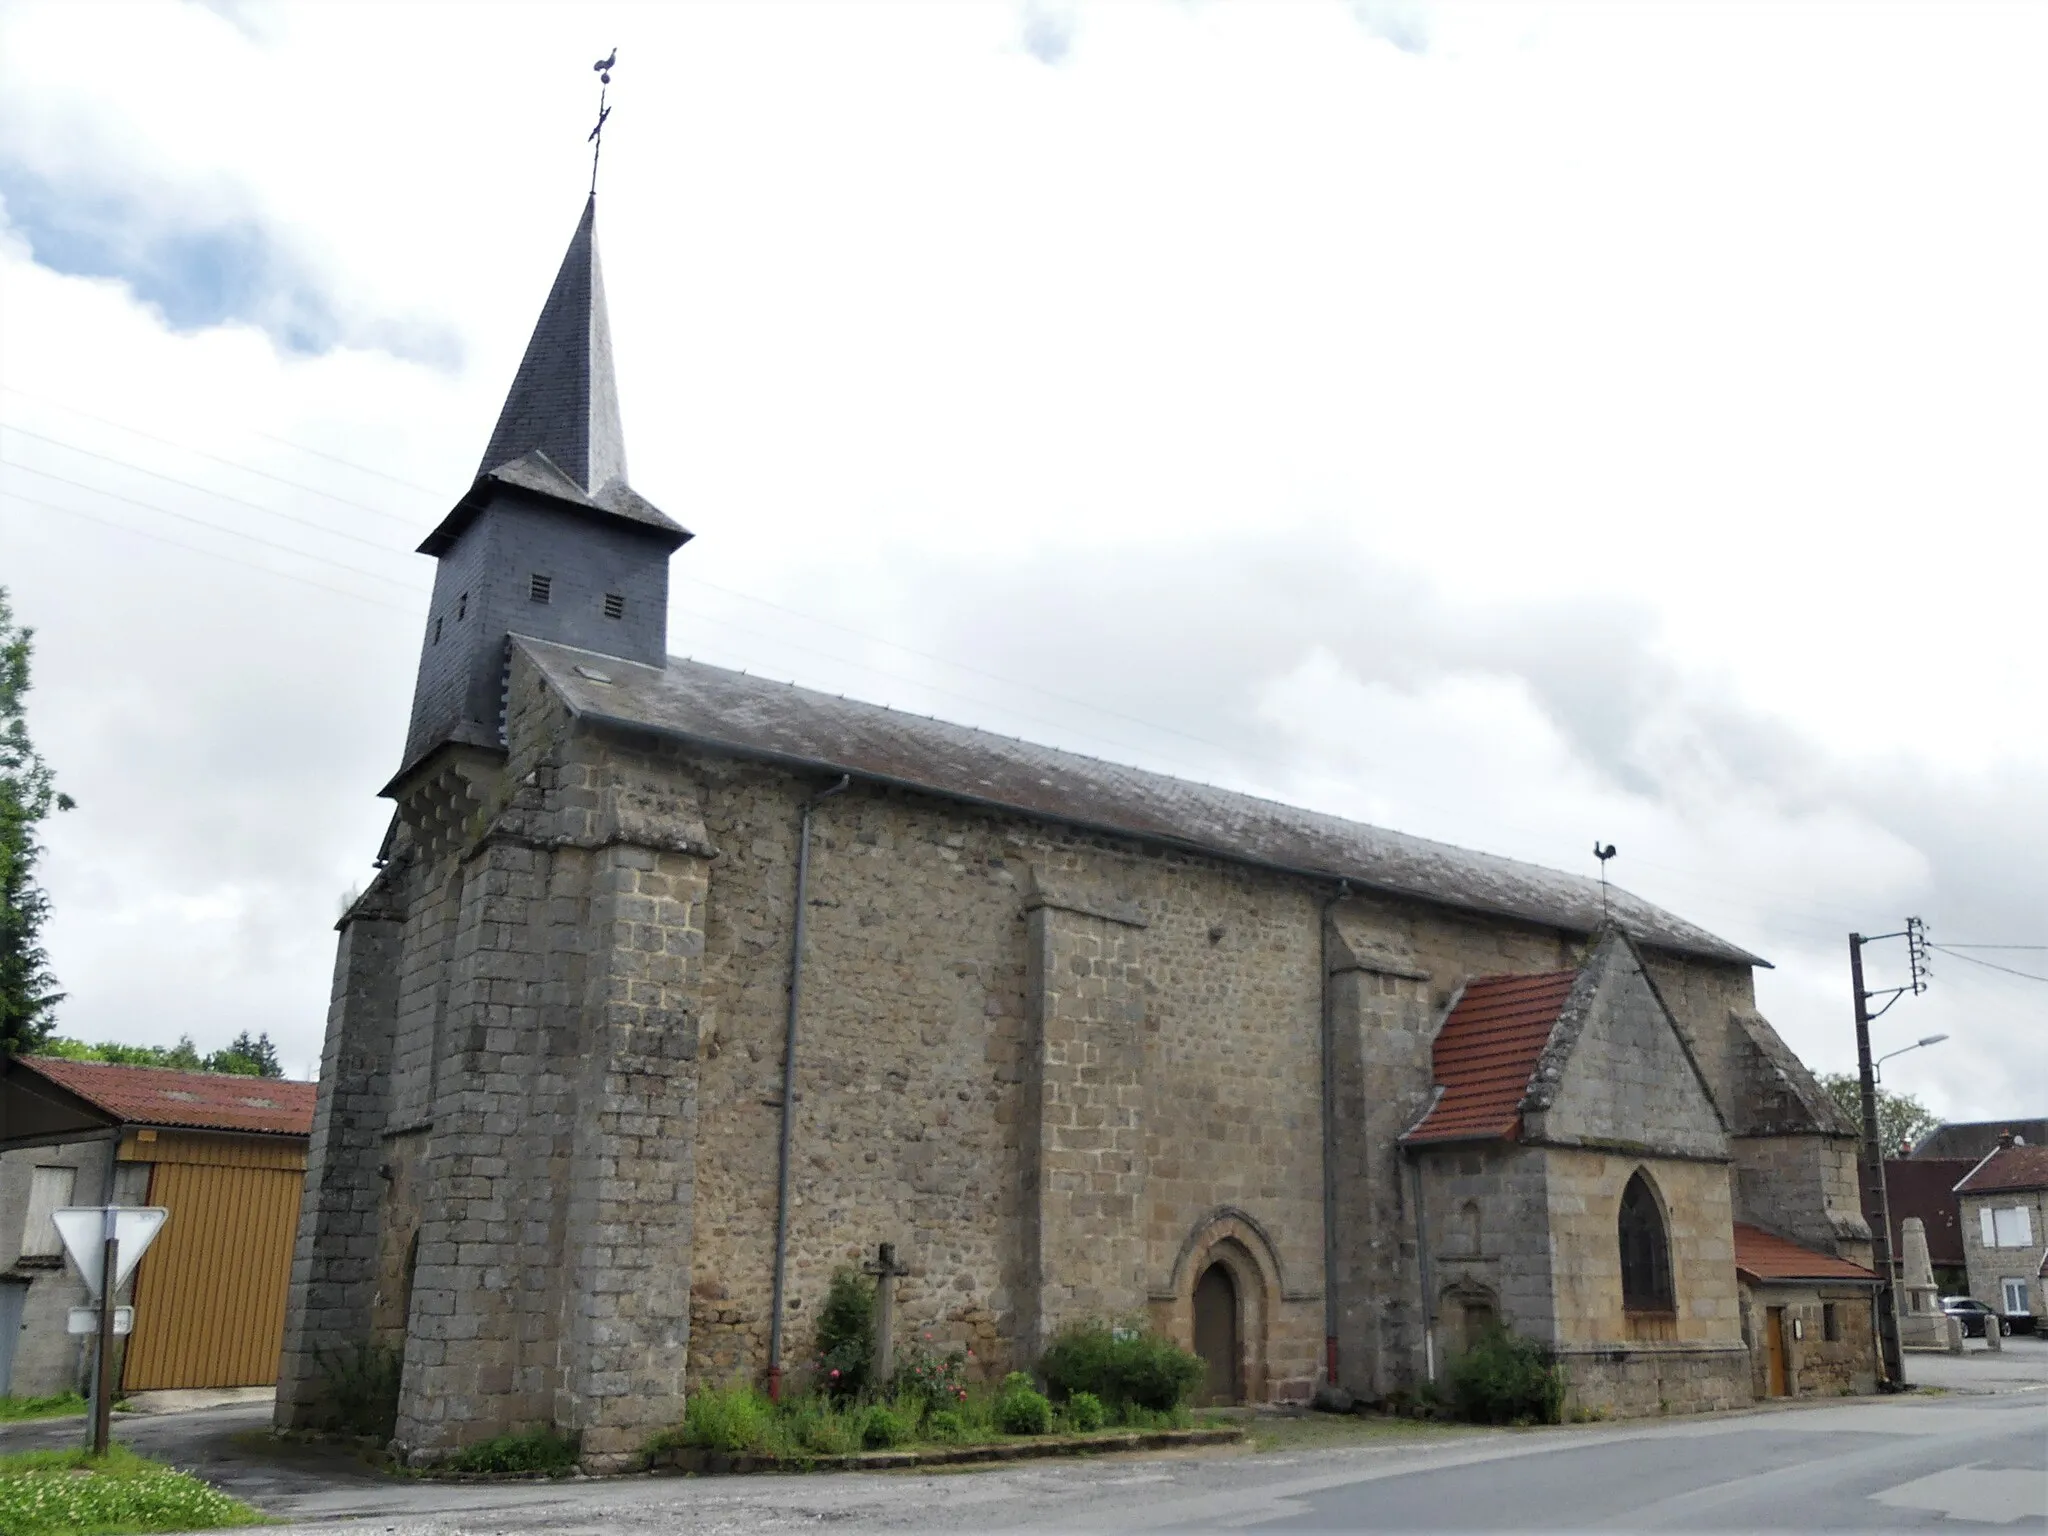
(1217, 1337)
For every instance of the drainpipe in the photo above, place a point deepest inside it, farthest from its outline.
(1422, 1265)
(1330, 1255)
(796, 978)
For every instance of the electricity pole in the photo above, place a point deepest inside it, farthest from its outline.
(1915, 935)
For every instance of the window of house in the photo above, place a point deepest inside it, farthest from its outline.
(2009, 1227)
(542, 588)
(615, 605)
(49, 1190)
(1831, 1322)
(1645, 1251)
(2016, 1300)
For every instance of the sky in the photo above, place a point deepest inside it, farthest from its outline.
(1518, 425)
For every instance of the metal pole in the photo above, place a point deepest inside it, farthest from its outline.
(1873, 1173)
(102, 1408)
(796, 978)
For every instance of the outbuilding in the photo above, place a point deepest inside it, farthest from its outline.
(226, 1155)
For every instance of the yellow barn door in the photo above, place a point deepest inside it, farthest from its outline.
(209, 1298)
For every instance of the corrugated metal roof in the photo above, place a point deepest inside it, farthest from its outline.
(751, 716)
(1486, 1052)
(1761, 1255)
(2017, 1167)
(207, 1101)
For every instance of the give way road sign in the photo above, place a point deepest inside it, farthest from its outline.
(84, 1230)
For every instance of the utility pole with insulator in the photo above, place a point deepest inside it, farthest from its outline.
(1915, 935)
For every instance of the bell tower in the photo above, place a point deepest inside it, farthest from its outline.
(550, 540)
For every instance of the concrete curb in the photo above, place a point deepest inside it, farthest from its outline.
(692, 1462)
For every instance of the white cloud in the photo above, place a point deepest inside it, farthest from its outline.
(1600, 421)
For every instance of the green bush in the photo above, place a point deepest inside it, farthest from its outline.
(537, 1450)
(882, 1427)
(946, 1425)
(1021, 1409)
(66, 1493)
(1123, 1367)
(361, 1388)
(1085, 1412)
(733, 1419)
(846, 1335)
(1503, 1379)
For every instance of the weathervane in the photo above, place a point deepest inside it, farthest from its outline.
(596, 140)
(1603, 853)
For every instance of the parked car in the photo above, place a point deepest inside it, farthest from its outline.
(1975, 1316)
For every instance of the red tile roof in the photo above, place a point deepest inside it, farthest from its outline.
(208, 1101)
(2020, 1167)
(1486, 1051)
(1761, 1256)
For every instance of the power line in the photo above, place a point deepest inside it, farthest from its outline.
(186, 517)
(2037, 948)
(212, 554)
(1987, 964)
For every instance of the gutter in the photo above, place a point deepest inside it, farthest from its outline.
(796, 980)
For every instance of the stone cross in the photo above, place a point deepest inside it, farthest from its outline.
(885, 1269)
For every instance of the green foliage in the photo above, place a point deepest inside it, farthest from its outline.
(1021, 1409)
(1085, 1413)
(246, 1056)
(1124, 1367)
(935, 1380)
(948, 1426)
(846, 1335)
(734, 1419)
(14, 1409)
(73, 1493)
(883, 1427)
(1503, 1379)
(362, 1388)
(1900, 1117)
(537, 1450)
(28, 793)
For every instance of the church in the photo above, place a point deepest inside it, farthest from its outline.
(677, 990)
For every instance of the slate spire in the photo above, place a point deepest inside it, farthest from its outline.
(564, 401)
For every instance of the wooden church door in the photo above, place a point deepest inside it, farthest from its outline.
(1216, 1339)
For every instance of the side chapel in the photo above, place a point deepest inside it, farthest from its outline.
(678, 989)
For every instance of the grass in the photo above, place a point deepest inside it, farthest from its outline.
(73, 1493)
(13, 1409)
(537, 1450)
(739, 1420)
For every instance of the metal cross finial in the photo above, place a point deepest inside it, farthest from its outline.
(596, 140)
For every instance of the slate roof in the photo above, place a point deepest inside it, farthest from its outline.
(1761, 1255)
(558, 434)
(752, 717)
(1486, 1052)
(2019, 1167)
(1977, 1138)
(205, 1101)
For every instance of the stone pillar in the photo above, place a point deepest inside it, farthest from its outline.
(1379, 1025)
(1084, 1151)
(1920, 1313)
(334, 1265)
(634, 1161)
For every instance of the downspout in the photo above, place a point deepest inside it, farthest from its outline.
(796, 978)
(1330, 1255)
(1422, 1263)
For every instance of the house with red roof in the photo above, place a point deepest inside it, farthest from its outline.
(1575, 1181)
(225, 1155)
(2005, 1230)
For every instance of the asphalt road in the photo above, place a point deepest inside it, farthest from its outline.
(1951, 1462)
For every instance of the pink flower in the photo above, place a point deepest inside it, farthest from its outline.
(835, 1375)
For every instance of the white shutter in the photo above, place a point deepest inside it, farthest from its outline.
(2026, 1225)
(1990, 1228)
(49, 1190)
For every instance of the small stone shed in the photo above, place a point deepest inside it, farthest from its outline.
(225, 1155)
(1806, 1316)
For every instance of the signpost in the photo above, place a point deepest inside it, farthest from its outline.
(106, 1242)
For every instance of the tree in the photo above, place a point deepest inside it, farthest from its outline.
(28, 793)
(1900, 1117)
(245, 1056)
(251, 1056)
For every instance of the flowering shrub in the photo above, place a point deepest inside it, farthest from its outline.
(54, 1493)
(846, 1335)
(935, 1380)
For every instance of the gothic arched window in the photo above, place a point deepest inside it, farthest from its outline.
(1645, 1253)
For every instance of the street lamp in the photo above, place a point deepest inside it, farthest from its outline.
(1877, 1067)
